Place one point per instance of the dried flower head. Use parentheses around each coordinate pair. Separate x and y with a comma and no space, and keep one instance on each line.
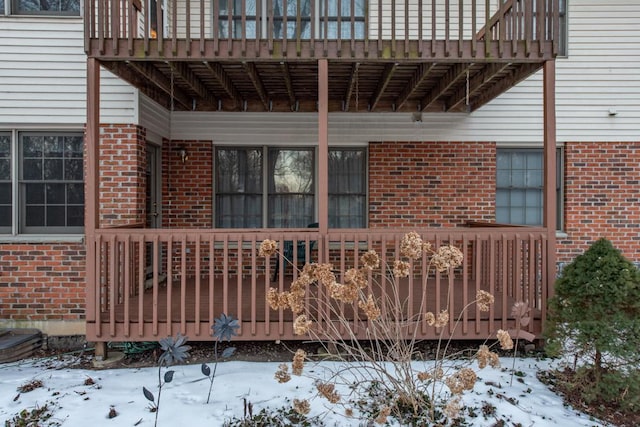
(384,413)
(173,350)
(370,308)
(506,343)
(295,300)
(430,318)
(348,412)
(452,408)
(324,274)
(442,319)
(302,407)
(486,357)
(462,380)
(484,300)
(344,293)
(277,300)
(356,277)
(411,245)
(401,269)
(327,390)
(301,325)
(267,248)
(424,376)
(282,374)
(298,361)
(370,260)
(447,257)
(436,374)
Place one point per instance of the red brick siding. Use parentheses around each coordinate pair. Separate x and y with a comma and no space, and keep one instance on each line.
(602,197)
(122,175)
(187,188)
(42,281)
(431,184)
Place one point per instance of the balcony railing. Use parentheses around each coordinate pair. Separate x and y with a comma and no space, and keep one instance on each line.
(409,29)
(152,283)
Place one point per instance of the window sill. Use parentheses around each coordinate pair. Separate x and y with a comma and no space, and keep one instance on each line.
(42,238)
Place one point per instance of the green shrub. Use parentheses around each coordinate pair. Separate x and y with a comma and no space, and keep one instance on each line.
(595,317)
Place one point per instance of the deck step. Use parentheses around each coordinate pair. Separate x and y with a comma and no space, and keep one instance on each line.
(18,343)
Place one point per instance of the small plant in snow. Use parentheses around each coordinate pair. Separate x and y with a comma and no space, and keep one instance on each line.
(174,351)
(224,328)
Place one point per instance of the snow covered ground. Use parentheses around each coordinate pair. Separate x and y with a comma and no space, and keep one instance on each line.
(79,397)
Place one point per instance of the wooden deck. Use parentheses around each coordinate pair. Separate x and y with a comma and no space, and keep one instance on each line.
(396,55)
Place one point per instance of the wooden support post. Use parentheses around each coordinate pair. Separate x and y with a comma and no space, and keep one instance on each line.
(91,188)
(550,167)
(323,146)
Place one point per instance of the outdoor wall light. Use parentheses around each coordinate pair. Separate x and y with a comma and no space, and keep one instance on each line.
(184,154)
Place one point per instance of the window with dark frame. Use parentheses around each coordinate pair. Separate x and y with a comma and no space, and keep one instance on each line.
(51,183)
(6,190)
(347,188)
(275,187)
(563,31)
(520,186)
(46,7)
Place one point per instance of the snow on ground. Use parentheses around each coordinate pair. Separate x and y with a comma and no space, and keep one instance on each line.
(183,402)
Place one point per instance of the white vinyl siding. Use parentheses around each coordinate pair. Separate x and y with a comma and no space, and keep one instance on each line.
(43,75)
(600,74)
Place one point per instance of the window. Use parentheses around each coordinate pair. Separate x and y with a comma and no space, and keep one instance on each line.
(520,187)
(2,11)
(275,187)
(51,189)
(6,192)
(563,34)
(46,7)
(326,13)
(155,21)
(347,188)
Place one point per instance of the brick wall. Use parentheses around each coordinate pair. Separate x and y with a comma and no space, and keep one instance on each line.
(42,281)
(122,175)
(602,198)
(187,188)
(431,184)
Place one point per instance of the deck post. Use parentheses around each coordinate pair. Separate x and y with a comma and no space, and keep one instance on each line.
(91,221)
(323,146)
(550,203)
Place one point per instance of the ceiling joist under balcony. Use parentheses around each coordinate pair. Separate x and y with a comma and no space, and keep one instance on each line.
(292,85)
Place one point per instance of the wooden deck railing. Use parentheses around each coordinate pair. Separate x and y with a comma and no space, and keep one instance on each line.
(153,283)
(314,28)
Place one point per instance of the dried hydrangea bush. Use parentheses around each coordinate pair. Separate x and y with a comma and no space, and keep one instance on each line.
(382,370)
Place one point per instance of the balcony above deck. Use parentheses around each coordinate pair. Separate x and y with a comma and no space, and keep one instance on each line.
(396,55)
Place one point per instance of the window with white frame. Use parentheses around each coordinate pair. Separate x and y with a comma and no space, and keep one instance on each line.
(46,7)
(276,187)
(329,15)
(50,183)
(520,186)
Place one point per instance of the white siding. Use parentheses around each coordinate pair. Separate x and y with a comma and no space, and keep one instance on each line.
(154,118)
(602,72)
(43,75)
